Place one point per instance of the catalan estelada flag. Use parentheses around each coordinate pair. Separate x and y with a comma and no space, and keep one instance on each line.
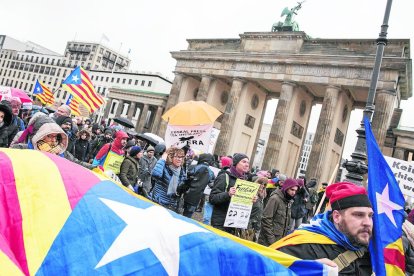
(72,221)
(80,86)
(43,93)
(73,105)
(387,254)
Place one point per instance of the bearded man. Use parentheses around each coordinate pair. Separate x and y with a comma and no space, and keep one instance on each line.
(339,237)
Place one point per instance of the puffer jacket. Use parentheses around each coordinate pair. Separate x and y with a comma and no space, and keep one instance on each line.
(161,174)
(129,171)
(276,218)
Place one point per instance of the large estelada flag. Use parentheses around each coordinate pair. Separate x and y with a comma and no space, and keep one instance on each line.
(72,221)
(387,254)
(43,93)
(80,86)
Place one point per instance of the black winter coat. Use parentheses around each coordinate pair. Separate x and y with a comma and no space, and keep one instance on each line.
(81,149)
(312,251)
(197,182)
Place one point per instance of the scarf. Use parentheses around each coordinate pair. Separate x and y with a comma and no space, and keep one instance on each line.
(172,186)
(321,224)
(43,146)
(234,172)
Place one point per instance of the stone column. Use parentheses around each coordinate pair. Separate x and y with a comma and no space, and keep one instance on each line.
(172,100)
(384,106)
(131,110)
(142,117)
(157,119)
(119,108)
(399,153)
(259,130)
(203,88)
(322,135)
(278,126)
(108,108)
(229,117)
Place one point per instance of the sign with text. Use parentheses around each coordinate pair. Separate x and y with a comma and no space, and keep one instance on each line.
(241,203)
(5,92)
(404,174)
(197,137)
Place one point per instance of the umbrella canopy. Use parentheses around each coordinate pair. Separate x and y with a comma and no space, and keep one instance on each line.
(124,122)
(191,113)
(155,137)
(18,93)
(147,139)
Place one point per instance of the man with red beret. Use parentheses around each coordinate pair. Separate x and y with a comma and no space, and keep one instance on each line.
(277,213)
(341,235)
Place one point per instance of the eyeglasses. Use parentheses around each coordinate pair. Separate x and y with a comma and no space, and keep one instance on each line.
(179,157)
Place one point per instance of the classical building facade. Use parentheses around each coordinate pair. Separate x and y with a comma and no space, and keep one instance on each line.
(239,76)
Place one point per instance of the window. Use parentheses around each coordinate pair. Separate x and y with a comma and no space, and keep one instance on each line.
(91,77)
(123,81)
(53,71)
(58,62)
(102,78)
(47,61)
(101,50)
(149,83)
(118,79)
(112,79)
(37,68)
(14,74)
(26,67)
(42,69)
(47,70)
(31,87)
(28,76)
(142,83)
(34,77)
(112,107)
(58,72)
(99,89)
(31,59)
(31,68)
(130,81)
(107,79)
(98,59)
(41,60)
(37,59)
(136,82)
(53,62)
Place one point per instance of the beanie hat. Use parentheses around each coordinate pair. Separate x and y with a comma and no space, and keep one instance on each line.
(134,151)
(289,183)
(130,143)
(282,177)
(150,148)
(225,161)
(237,157)
(65,108)
(63,120)
(344,195)
(300,182)
(108,131)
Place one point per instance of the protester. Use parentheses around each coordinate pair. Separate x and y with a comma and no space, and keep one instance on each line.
(197,179)
(276,217)
(347,228)
(81,146)
(111,155)
(255,220)
(168,174)
(147,164)
(130,168)
(98,143)
(298,208)
(5,120)
(274,184)
(224,189)
(321,192)
(224,163)
(63,110)
(313,199)
(66,124)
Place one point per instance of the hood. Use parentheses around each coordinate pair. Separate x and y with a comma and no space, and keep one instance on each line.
(206,158)
(118,137)
(8,115)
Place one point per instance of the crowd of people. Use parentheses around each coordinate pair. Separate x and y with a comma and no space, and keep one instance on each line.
(287,214)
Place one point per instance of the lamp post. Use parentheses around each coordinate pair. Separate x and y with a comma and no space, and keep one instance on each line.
(357,167)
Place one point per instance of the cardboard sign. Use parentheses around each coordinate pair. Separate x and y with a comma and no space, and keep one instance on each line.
(404,174)
(197,137)
(241,203)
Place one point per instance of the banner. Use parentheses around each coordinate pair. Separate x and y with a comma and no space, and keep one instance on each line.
(197,137)
(213,139)
(241,203)
(404,174)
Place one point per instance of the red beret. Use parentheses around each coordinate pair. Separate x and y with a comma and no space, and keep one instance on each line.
(344,195)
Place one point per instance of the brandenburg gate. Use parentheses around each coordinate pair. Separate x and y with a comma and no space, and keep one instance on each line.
(239,76)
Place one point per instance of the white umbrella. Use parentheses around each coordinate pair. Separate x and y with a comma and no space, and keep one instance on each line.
(155,137)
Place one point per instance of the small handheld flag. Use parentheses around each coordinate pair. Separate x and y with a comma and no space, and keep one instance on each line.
(387,255)
(73,105)
(43,93)
(80,86)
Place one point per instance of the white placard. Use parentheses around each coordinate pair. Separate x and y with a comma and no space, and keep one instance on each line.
(5,92)
(197,137)
(404,174)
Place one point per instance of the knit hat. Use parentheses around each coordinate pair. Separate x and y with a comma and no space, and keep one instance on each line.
(289,183)
(150,148)
(63,120)
(237,157)
(300,182)
(344,195)
(130,143)
(65,108)
(134,151)
(225,161)
(282,177)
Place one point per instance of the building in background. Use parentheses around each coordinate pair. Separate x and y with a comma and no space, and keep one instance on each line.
(306,150)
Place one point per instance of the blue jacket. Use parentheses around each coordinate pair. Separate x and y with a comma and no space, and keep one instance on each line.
(161,174)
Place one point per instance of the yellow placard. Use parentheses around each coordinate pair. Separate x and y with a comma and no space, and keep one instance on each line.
(113,162)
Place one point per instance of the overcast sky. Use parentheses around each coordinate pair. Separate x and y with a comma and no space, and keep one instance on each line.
(154,28)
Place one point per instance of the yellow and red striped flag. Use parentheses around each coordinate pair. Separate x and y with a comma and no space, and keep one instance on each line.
(73,105)
(80,86)
(43,93)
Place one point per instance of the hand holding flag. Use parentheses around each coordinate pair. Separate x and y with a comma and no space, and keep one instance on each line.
(43,93)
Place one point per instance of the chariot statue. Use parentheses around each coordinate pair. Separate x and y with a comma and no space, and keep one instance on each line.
(289,25)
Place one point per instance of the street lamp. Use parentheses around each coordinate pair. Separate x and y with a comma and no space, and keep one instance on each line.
(357,167)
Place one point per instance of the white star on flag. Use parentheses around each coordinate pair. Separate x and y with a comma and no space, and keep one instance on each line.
(385,205)
(38,89)
(75,78)
(147,228)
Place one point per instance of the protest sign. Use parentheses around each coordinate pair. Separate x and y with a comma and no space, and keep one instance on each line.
(241,203)
(197,137)
(5,92)
(404,174)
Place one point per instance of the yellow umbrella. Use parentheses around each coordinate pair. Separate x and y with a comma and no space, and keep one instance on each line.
(191,113)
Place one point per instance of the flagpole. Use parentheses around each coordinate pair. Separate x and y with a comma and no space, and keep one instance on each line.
(102,109)
(357,167)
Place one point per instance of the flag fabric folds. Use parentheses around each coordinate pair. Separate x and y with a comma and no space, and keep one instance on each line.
(73,221)
(80,86)
(73,105)
(43,93)
(387,255)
